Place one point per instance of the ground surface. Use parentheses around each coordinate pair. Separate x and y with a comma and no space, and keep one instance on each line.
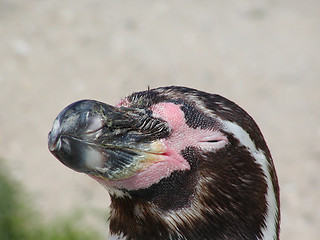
(262,54)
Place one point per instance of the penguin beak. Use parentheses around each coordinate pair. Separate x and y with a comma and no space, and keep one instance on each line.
(107,142)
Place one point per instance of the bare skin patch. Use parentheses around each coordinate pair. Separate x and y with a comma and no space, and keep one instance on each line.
(171,159)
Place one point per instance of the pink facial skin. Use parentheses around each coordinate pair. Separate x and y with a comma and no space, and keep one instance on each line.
(181,137)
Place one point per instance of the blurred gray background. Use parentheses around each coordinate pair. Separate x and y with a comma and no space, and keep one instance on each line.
(263,54)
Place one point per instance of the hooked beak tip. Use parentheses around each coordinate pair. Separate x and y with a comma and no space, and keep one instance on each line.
(53,141)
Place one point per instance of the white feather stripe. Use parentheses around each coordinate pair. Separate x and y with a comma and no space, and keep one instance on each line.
(117,237)
(269,231)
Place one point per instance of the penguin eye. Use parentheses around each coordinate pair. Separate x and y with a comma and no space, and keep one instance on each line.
(213,141)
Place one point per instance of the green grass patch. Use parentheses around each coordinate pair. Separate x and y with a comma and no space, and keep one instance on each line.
(19,220)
